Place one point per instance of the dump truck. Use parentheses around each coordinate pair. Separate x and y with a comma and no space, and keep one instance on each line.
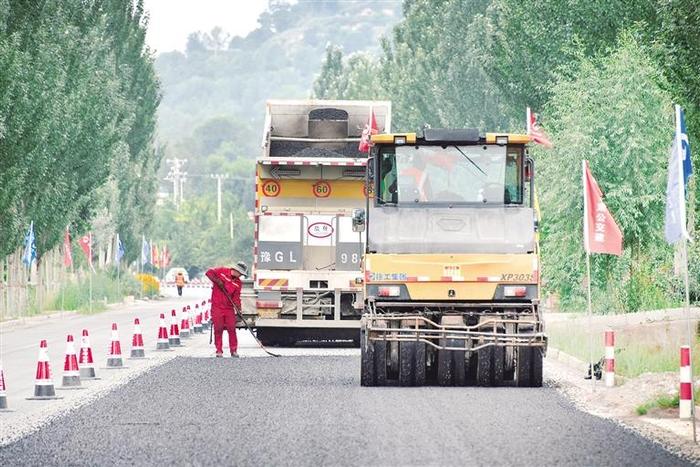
(309,179)
(451,266)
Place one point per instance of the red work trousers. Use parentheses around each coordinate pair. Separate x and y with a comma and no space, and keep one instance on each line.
(225,320)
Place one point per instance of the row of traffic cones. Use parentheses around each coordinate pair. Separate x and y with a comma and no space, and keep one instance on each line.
(81,367)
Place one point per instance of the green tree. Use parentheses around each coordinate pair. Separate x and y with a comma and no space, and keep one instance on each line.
(616,114)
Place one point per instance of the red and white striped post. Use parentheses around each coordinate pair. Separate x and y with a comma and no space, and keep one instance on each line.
(609,358)
(685,407)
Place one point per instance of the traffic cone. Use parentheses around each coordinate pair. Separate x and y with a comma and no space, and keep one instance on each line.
(174,338)
(71,372)
(43,384)
(197,320)
(137,350)
(190,316)
(185,323)
(3,395)
(163,342)
(114,356)
(85,361)
(206,322)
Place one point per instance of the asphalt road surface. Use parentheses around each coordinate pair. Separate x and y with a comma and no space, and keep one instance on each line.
(311,410)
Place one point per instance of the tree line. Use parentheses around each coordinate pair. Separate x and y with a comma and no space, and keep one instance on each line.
(78,100)
(602,75)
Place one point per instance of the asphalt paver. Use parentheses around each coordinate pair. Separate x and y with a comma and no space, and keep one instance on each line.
(311,410)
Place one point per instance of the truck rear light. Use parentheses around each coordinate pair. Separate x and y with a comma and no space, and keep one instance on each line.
(514,291)
(268,304)
(392,291)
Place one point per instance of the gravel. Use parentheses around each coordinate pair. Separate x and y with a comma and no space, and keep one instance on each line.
(311,411)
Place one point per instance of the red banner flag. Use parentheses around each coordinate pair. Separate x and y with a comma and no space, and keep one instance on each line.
(370,129)
(67,254)
(155,259)
(165,257)
(536,134)
(86,245)
(600,231)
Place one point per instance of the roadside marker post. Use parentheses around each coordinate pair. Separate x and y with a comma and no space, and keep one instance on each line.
(685,403)
(609,358)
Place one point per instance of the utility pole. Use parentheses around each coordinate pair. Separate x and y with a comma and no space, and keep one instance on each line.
(175,175)
(183,179)
(230,224)
(218,178)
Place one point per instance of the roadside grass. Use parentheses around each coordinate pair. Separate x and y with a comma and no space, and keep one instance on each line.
(105,289)
(663,401)
(649,348)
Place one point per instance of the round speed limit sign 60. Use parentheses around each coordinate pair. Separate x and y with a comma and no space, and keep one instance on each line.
(322,189)
(271,188)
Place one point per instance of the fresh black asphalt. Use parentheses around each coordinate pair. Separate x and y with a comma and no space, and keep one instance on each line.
(312,411)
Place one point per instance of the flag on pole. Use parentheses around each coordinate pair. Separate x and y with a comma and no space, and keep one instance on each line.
(600,231)
(536,134)
(679,170)
(86,245)
(155,256)
(165,257)
(119,250)
(67,253)
(145,251)
(369,130)
(29,254)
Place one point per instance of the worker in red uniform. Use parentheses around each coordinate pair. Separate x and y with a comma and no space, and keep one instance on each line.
(222,313)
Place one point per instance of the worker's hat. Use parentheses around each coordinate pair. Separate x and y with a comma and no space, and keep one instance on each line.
(241,267)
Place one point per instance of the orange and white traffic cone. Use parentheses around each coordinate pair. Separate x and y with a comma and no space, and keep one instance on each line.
(205,316)
(114,356)
(137,350)
(43,384)
(85,361)
(197,320)
(174,338)
(185,323)
(163,342)
(71,372)
(3,395)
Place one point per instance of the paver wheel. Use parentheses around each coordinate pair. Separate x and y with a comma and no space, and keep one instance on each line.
(529,367)
(523,367)
(380,369)
(536,375)
(444,368)
(407,362)
(459,364)
(483,366)
(367,377)
(490,366)
(420,370)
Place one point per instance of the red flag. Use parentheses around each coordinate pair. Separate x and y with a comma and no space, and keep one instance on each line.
(154,255)
(370,129)
(536,134)
(86,245)
(165,257)
(67,254)
(600,232)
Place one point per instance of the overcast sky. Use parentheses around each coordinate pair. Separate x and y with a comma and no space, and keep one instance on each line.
(171,21)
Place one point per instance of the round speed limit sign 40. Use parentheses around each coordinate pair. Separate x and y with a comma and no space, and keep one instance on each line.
(271,188)
(321,189)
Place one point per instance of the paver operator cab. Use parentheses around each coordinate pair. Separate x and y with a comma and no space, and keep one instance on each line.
(451,265)
(309,179)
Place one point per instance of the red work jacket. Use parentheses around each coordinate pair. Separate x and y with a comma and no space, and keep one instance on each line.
(219,302)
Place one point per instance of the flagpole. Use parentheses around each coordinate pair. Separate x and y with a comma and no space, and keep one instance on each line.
(590,321)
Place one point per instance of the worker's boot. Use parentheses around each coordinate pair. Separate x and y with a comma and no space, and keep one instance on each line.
(234,354)
(219,354)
